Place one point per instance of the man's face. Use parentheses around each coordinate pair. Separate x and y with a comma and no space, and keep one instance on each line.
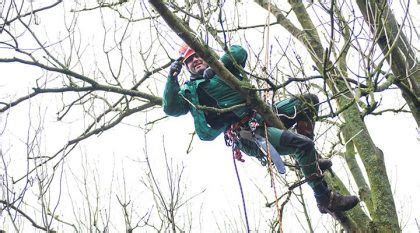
(196,65)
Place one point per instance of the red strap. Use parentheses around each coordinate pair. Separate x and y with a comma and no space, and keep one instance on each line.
(241,122)
(238,154)
(229,133)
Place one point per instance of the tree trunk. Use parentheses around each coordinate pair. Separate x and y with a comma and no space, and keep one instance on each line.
(356,171)
(397,50)
(354,220)
(384,215)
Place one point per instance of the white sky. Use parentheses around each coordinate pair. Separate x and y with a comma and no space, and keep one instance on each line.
(209,166)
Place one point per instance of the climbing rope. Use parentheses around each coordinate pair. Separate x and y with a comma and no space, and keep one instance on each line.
(242,192)
(232,140)
(273,184)
(265,97)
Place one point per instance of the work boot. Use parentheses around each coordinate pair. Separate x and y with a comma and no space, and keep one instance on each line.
(324,164)
(332,202)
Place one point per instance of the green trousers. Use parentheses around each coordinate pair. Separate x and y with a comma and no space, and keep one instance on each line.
(300,147)
(292,111)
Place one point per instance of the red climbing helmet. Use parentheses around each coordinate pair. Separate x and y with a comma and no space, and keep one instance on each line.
(185,52)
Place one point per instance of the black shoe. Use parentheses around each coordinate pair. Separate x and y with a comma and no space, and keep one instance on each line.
(333,202)
(324,164)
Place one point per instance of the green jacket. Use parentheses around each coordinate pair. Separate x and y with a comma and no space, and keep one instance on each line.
(174,96)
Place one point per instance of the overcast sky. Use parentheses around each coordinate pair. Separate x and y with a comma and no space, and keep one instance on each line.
(118,155)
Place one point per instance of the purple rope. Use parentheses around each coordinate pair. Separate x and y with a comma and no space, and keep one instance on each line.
(242,192)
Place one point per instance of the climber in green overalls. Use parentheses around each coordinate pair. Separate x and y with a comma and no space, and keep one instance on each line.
(206,88)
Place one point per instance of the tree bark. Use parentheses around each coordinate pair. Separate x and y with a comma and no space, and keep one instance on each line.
(384,214)
(354,220)
(356,171)
(397,50)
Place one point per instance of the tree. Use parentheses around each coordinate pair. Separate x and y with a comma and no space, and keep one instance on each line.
(102,69)
(397,49)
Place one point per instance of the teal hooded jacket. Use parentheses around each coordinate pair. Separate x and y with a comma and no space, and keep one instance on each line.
(179,100)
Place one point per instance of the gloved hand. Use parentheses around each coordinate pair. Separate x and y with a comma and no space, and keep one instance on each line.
(208,73)
(175,68)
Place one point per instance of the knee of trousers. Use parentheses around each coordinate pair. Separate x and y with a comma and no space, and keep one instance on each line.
(312,98)
(310,104)
(297,141)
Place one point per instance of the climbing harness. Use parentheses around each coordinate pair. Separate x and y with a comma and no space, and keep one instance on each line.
(232,138)
(246,130)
